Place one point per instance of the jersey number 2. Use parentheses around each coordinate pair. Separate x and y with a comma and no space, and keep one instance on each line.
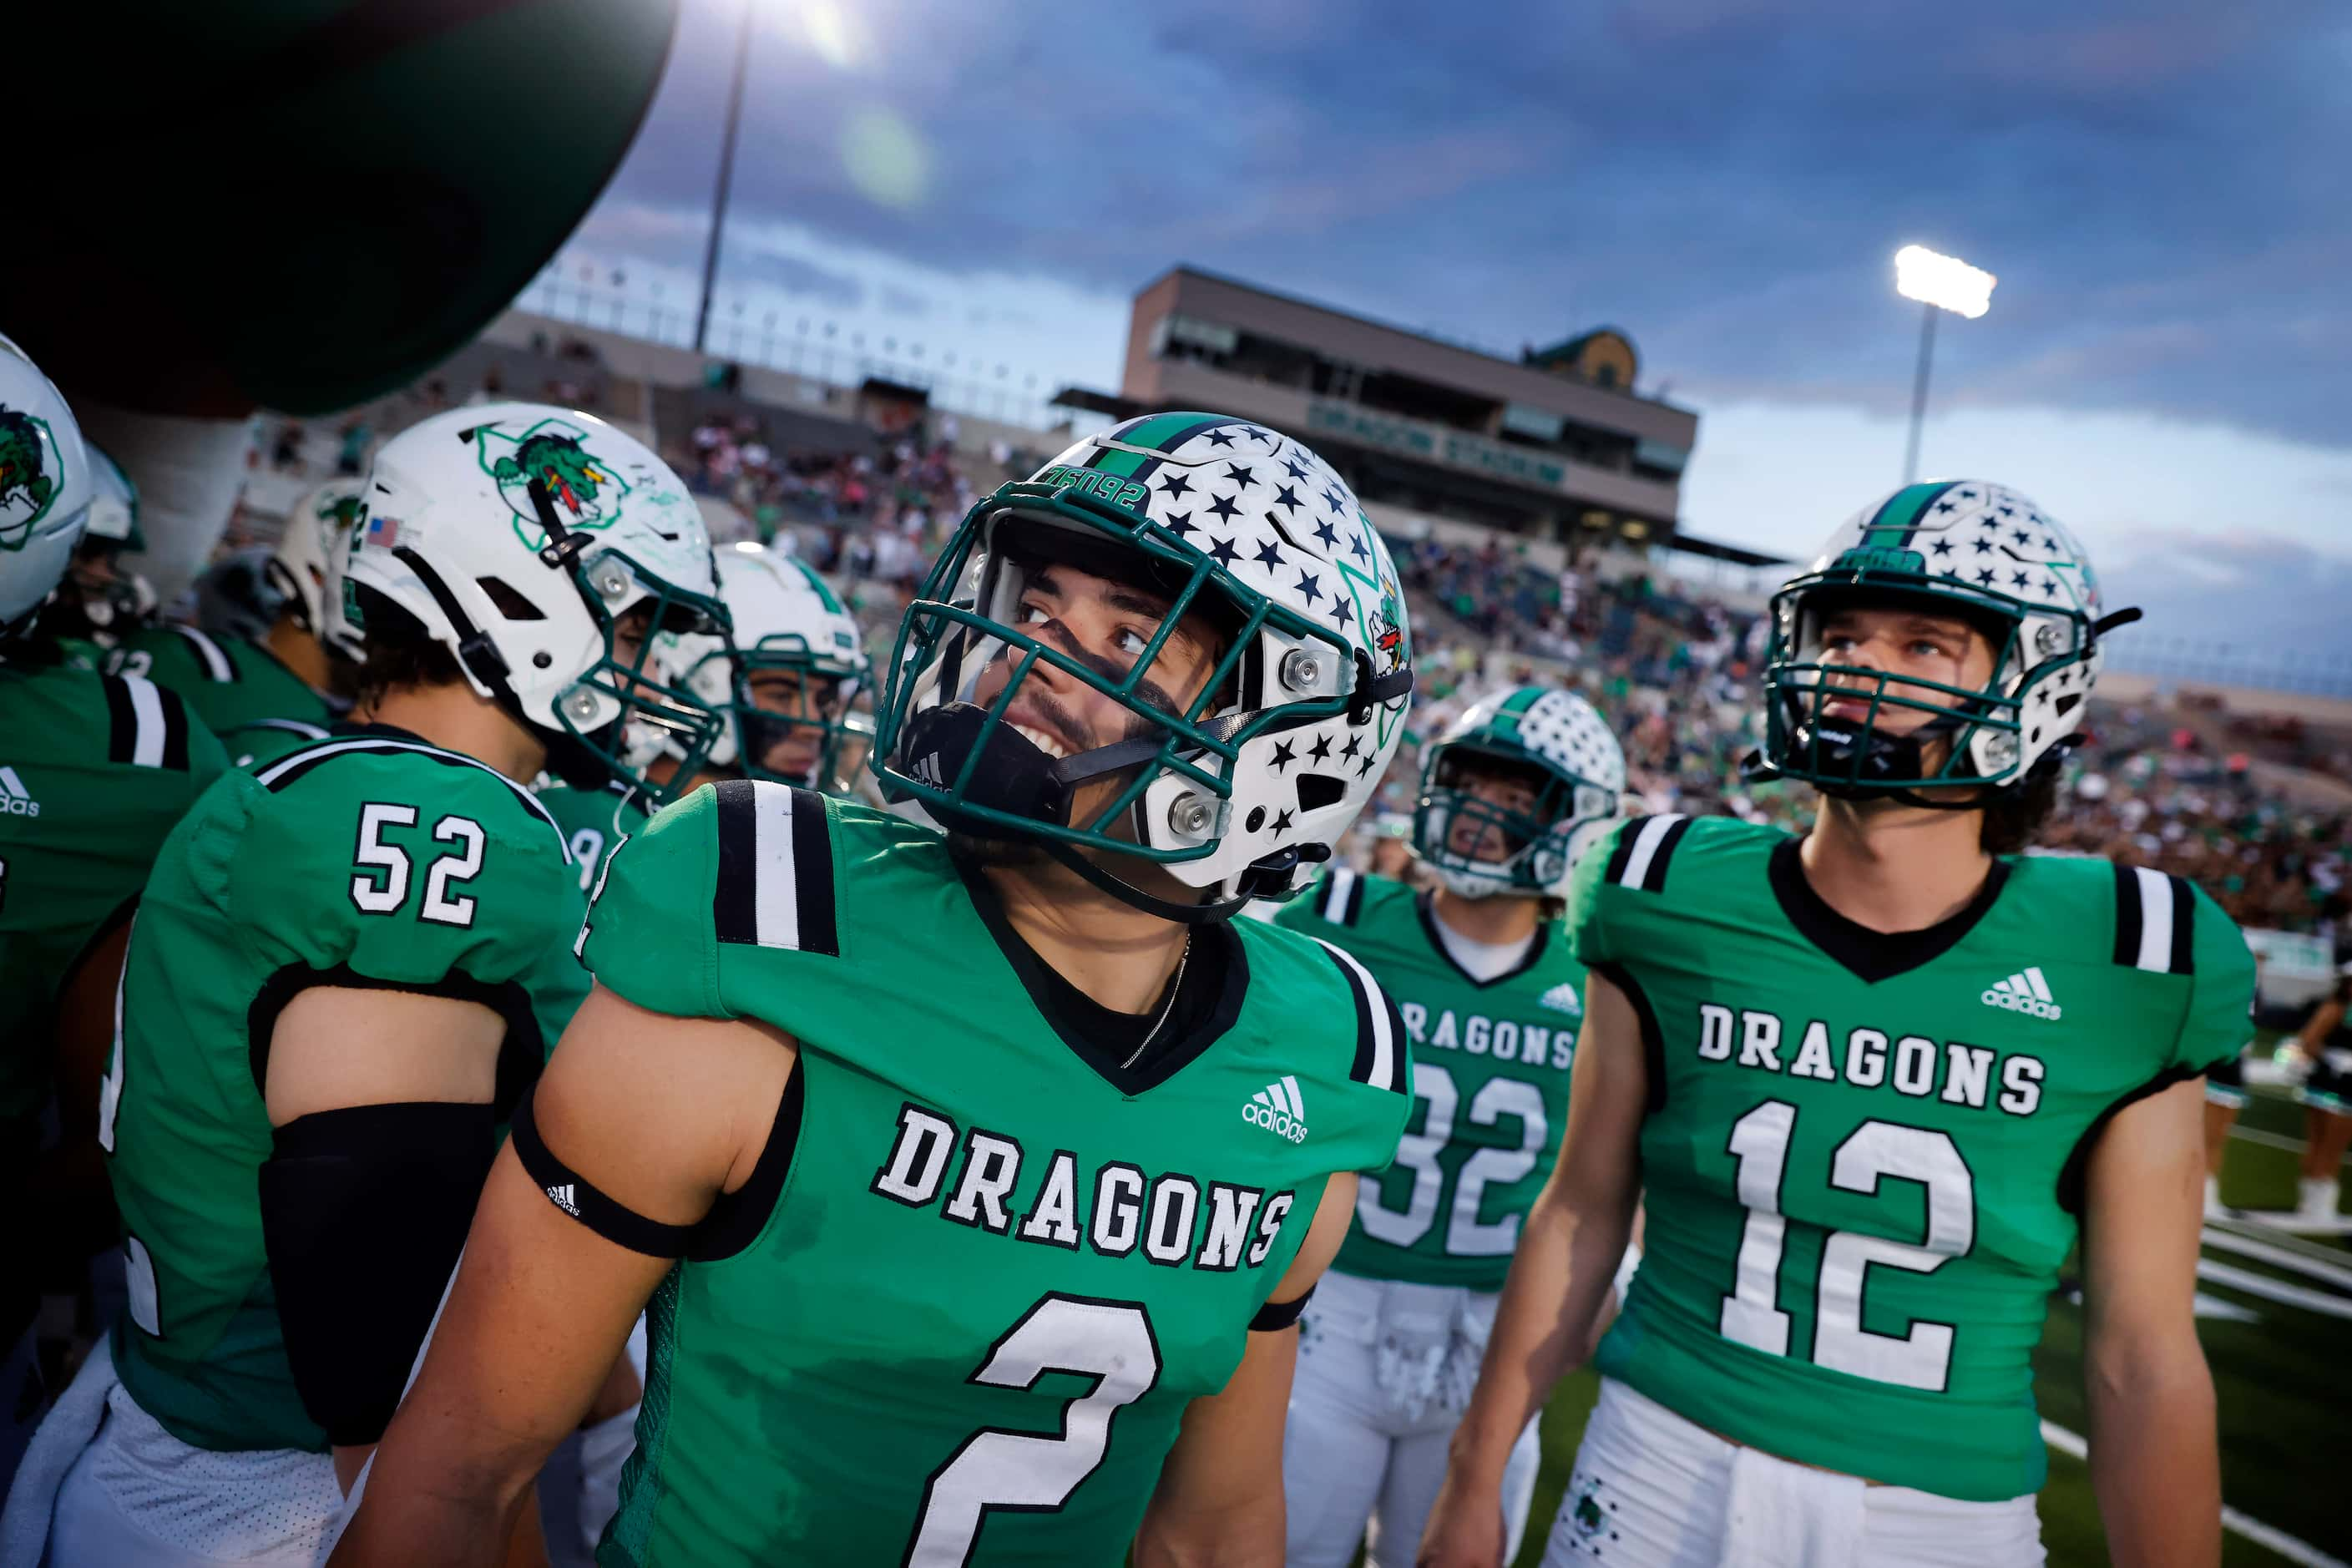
(1022,1472)
(1919,1358)
(381,887)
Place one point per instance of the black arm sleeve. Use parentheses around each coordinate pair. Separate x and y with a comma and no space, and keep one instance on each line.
(363,1213)
(1282,1314)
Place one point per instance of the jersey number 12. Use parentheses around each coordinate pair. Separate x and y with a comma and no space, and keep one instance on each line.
(1920,1358)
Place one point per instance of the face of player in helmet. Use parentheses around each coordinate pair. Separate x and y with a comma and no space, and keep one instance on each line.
(795,750)
(1476,835)
(1104,625)
(1900,641)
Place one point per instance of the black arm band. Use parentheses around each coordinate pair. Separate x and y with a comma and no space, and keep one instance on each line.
(1281,1314)
(614,1221)
(363,1213)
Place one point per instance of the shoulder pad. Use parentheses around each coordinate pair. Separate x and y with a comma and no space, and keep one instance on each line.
(1644,849)
(292,768)
(211,659)
(774,886)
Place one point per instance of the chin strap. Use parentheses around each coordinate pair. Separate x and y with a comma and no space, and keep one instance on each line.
(1136,898)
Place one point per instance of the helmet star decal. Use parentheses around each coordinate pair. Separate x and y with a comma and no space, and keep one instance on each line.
(587,492)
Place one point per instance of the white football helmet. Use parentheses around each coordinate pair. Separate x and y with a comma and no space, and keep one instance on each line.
(525,538)
(1247,790)
(317,525)
(783,617)
(45,489)
(1569,755)
(1961,547)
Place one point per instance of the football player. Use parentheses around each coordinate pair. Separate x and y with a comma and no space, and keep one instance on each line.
(942,1158)
(265,696)
(784,675)
(94,771)
(2326,1095)
(1872,1085)
(103,601)
(1511,793)
(347,966)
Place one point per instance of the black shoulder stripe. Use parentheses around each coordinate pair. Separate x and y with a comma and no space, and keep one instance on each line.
(217,665)
(1645,847)
(1341,900)
(146,725)
(774,883)
(1379,1030)
(2156,918)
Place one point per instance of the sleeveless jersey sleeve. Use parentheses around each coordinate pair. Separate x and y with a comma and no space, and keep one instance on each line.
(403,871)
(650,936)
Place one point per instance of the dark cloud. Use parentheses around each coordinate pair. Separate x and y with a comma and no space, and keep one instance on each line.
(2159,183)
(2244,589)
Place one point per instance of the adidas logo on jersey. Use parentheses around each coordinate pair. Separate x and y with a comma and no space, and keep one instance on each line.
(2024,993)
(928,771)
(15,799)
(1278,1109)
(562,1198)
(1562,998)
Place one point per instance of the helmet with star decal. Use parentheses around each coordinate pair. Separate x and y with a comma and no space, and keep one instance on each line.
(1963,548)
(1252,569)
(1574,770)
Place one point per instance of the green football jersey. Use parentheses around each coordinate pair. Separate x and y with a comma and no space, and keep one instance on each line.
(229,683)
(595,822)
(1863,1154)
(370,859)
(1490,1071)
(258,742)
(95,770)
(966,1327)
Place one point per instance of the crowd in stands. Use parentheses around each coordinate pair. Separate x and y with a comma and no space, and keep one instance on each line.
(1676,673)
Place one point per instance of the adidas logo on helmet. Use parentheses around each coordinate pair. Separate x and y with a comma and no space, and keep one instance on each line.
(2025,992)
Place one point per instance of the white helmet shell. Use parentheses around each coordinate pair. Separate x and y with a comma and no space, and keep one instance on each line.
(450,532)
(46,488)
(779,611)
(318,527)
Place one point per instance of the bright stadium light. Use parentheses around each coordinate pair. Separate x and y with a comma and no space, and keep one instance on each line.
(1944,281)
(1939,283)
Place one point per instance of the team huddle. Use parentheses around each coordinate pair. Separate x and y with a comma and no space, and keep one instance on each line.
(956,1108)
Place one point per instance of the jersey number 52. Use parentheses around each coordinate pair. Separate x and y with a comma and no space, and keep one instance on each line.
(380,885)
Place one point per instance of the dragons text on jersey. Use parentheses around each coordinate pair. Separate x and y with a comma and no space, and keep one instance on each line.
(983,1275)
(1859,1178)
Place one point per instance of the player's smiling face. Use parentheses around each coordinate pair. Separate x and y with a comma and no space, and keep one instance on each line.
(1906,644)
(1104,625)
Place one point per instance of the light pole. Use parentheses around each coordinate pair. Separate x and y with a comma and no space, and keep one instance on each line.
(1938,283)
(726,176)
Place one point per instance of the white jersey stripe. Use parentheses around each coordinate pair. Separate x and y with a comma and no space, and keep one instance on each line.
(1335,896)
(777,919)
(1645,847)
(210,654)
(2155,917)
(147,707)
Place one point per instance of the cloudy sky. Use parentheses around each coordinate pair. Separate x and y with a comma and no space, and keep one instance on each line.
(2164,187)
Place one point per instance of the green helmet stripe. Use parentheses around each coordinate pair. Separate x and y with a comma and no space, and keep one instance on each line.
(1520,701)
(1890,527)
(1110,461)
(825,595)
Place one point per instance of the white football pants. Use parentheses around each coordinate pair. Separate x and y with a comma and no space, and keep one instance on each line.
(1654,1491)
(1385,1370)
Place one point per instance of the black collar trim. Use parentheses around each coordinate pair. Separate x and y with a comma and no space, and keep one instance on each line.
(1872,956)
(1223,965)
(1425,906)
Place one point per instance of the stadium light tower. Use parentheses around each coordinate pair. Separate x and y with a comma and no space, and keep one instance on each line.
(1938,283)
(726,176)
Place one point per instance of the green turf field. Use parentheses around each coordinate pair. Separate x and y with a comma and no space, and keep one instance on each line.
(2282,1378)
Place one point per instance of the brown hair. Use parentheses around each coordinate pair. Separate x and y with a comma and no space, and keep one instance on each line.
(2016,819)
(400,657)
